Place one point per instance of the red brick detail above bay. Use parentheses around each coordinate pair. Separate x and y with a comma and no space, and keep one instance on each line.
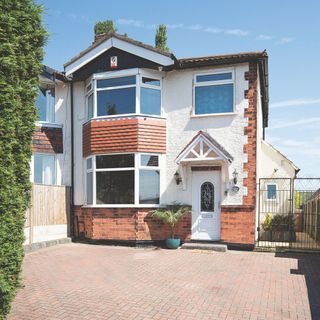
(124,135)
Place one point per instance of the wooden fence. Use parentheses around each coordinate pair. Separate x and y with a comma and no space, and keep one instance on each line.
(48,214)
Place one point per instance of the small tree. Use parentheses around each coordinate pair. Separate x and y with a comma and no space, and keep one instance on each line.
(171,215)
(104,27)
(22,37)
(161,38)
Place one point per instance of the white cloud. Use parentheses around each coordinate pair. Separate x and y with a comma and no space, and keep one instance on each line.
(237,32)
(285,40)
(286,124)
(175,26)
(195,27)
(213,30)
(131,22)
(295,102)
(264,37)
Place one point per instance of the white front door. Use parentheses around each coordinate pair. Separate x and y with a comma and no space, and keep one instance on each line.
(206,191)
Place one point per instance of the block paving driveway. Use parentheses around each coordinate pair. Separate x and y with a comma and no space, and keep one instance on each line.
(79,281)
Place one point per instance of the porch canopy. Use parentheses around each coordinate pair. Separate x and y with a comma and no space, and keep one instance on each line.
(203,150)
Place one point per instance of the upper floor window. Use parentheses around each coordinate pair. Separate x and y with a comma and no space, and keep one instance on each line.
(45,104)
(123,95)
(44,168)
(214,93)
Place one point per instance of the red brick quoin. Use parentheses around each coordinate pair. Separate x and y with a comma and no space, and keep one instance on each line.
(238,222)
(47,140)
(130,224)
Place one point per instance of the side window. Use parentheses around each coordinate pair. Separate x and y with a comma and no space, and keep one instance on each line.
(214,93)
(45,104)
(44,168)
(271,192)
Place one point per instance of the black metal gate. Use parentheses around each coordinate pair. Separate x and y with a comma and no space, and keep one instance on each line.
(289,213)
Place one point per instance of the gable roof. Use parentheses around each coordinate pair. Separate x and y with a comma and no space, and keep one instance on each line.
(271,147)
(211,142)
(107,41)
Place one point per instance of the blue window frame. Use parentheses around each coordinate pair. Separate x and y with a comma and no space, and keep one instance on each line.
(271,192)
(214,93)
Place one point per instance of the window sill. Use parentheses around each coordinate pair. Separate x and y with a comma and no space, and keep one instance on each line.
(124,206)
(121,116)
(213,115)
(48,124)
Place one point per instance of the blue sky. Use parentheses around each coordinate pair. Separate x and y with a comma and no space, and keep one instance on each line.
(289,30)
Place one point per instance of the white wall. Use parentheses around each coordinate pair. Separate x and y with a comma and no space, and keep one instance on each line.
(79,119)
(177,94)
(274,164)
(63,117)
(228,130)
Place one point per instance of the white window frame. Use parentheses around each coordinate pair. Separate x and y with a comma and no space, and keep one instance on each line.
(213,83)
(273,199)
(136,169)
(139,73)
(55,168)
(50,108)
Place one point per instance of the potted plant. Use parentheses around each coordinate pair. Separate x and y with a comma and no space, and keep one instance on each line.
(171,215)
(265,233)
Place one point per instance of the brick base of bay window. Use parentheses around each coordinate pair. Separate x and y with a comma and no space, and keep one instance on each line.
(125,224)
(138,225)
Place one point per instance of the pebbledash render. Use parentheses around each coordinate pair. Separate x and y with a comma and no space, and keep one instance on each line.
(143,129)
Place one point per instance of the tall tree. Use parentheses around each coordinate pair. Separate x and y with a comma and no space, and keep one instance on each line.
(161,38)
(102,27)
(22,38)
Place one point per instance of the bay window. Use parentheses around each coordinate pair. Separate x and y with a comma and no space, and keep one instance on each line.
(123,179)
(214,93)
(110,95)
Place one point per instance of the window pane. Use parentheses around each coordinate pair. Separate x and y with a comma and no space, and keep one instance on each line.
(150,101)
(149,161)
(89,187)
(149,186)
(50,105)
(116,82)
(89,163)
(152,82)
(115,161)
(214,99)
(115,187)
(90,106)
(214,77)
(44,169)
(272,191)
(207,197)
(118,101)
(41,104)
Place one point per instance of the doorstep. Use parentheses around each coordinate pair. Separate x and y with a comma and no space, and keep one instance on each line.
(205,246)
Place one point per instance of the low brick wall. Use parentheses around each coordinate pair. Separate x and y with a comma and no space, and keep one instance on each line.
(237,224)
(125,224)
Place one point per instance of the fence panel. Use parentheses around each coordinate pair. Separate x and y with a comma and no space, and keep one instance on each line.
(48,216)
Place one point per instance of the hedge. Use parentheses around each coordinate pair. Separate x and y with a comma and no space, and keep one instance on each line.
(22,38)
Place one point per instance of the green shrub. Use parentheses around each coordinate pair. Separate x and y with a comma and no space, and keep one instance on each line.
(22,38)
(171,215)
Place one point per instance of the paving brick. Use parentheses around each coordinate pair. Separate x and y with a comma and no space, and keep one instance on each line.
(78,281)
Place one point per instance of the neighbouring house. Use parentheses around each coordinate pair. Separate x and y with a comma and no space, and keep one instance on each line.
(133,128)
